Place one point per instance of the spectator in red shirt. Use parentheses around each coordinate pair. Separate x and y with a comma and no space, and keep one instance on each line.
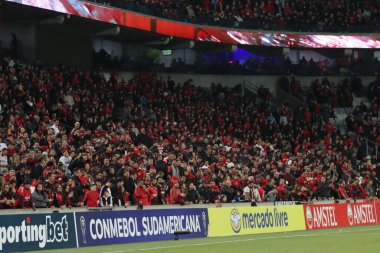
(141,194)
(153,193)
(177,197)
(342,191)
(49,168)
(59,195)
(91,199)
(24,196)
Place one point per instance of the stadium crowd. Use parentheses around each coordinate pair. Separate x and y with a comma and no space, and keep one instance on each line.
(364,121)
(294,15)
(72,139)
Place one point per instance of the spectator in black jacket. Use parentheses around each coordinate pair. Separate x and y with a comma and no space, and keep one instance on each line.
(207,194)
(161,166)
(192,195)
(129,185)
(227,190)
(7,201)
(143,138)
(324,189)
(76,193)
(24,174)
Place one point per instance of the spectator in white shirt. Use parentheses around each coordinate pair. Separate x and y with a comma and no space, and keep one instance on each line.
(251,193)
(4,161)
(65,160)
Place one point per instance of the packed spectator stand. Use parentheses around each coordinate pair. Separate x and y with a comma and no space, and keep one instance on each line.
(360,103)
(291,15)
(71,138)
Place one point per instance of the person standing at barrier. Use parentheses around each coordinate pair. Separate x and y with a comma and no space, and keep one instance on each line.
(121,197)
(59,195)
(141,194)
(106,199)
(24,196)
(110,186)
(153,192)
(91,199)
(39,197)
(129,185)
(251,192)
(7,201)
(176,195)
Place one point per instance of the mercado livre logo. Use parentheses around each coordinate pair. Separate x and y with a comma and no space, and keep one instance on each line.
(235,220)
(258,219)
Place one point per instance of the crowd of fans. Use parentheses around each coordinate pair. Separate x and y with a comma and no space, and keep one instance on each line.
(72,139)
(294,15)
(324,95)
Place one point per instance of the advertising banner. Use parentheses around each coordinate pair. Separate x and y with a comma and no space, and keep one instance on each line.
(340,215)
(27,232)
(115,227)
(255,220)
(377,207)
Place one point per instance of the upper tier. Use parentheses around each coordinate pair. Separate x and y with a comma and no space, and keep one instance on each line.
(234,35)
(276,15)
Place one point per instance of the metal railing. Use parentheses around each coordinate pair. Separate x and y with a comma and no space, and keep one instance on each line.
(247,85)
(370,144)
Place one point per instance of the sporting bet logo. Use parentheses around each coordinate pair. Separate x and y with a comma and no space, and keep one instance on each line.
(42,234)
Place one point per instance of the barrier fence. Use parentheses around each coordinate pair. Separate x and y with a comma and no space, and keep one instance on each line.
(27,232)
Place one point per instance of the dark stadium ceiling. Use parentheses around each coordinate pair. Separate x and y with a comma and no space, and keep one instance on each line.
(21,14)
(25,15)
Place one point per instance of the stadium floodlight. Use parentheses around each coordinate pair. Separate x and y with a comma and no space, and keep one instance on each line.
(159,42)
(55,20)
(223,49)
(183,45)
(109,32)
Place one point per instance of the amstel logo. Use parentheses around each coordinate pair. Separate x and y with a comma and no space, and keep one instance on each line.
(309,217)
(350,215)
(235,220)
